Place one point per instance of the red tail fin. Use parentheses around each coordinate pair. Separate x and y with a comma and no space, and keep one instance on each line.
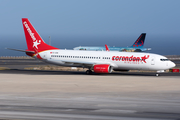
(33,39)
(107,49)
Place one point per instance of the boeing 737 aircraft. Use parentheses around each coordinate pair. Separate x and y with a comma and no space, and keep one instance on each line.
(98,61)
(136,47)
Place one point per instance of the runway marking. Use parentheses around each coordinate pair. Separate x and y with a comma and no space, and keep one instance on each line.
(115,111)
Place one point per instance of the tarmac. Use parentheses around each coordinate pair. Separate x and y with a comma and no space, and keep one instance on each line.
(73,95)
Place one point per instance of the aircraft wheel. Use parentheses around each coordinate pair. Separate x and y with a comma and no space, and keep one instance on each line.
(157,74)
(88,72)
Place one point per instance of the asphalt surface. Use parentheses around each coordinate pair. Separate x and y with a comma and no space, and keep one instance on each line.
(73,95)
(20,63)
(88,108)
(93,97)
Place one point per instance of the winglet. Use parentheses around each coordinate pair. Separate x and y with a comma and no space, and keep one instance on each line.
(107,49)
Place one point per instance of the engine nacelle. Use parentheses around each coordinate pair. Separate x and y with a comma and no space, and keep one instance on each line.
(102,68)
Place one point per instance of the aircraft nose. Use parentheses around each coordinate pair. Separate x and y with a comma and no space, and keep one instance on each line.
(172,64)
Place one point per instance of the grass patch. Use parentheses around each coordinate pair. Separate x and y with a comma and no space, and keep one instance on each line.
(4,68)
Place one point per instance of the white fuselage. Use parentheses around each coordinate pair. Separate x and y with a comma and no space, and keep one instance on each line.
(118,60)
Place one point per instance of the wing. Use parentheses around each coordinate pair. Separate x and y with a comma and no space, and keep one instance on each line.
(86,64)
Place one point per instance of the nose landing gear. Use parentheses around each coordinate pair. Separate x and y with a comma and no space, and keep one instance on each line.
(157,74)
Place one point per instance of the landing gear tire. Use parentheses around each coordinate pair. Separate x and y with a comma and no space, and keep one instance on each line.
(89,72)
(157,74)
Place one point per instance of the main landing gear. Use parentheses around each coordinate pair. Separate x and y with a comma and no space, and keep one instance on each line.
(89,72)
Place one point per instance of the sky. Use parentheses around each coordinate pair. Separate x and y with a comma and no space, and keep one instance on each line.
(72,23)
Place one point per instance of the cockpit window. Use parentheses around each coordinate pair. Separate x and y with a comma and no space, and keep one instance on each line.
(164,59)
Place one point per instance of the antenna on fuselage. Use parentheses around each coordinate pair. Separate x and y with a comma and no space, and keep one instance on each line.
(49,40)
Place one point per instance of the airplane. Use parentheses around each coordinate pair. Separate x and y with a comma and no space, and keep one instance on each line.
(136,47)
(97,61)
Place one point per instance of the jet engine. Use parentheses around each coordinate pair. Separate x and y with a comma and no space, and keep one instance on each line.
(102,68)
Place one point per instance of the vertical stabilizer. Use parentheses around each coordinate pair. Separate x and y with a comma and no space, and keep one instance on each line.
(107,49)
(33,39)
(140,41)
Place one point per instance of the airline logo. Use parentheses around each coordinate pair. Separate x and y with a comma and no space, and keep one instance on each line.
(35,42)
(138,42)
(131,59)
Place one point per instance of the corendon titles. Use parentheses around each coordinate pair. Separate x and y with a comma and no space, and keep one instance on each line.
(29,30)
(131,59)
(35,42)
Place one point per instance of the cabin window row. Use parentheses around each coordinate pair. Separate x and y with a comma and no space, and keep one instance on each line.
(65,56)
(87,57)
(106,58)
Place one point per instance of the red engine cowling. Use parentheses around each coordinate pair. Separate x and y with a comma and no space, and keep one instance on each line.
(102,68)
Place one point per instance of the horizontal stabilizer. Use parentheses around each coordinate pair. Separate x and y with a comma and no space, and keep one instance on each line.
(21,50)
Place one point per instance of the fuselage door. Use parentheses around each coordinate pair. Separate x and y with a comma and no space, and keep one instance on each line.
(153,61)
(166,63)
(44,55)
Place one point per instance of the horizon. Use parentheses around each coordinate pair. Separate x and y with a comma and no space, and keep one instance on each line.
(93,23)
(62,42)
